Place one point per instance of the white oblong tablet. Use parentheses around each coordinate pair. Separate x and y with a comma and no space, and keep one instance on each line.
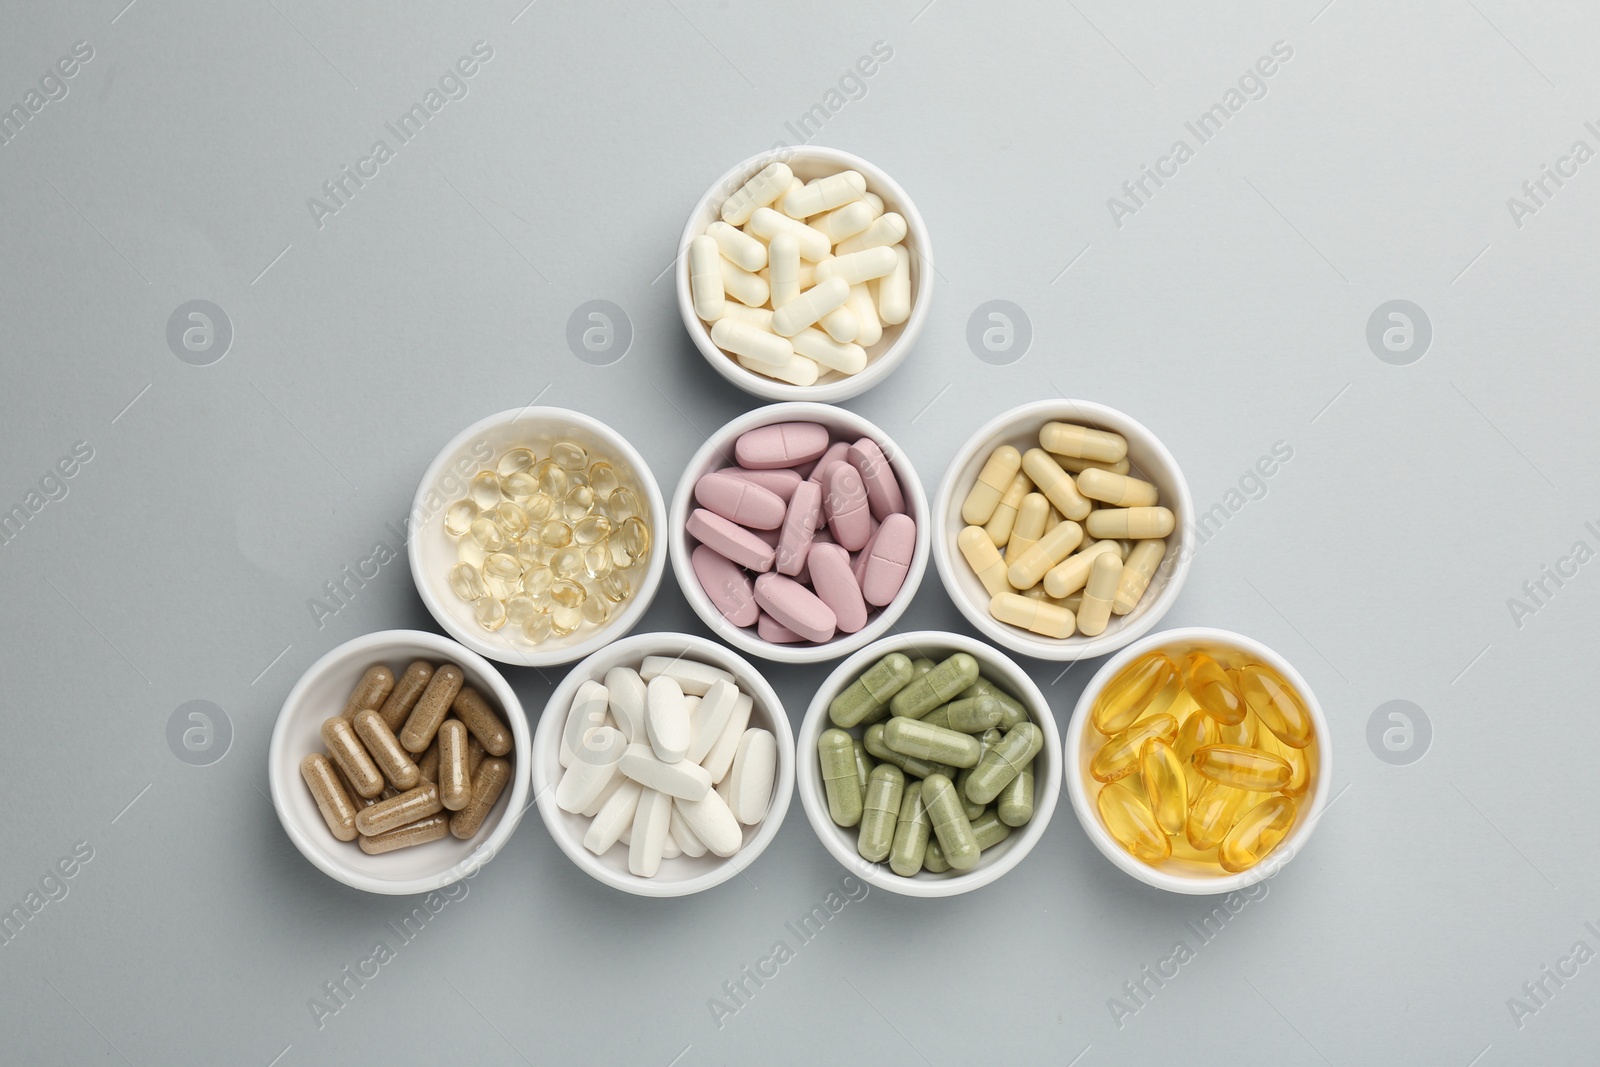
(685,836)
(693,678)
(587,714)
(614,818)
(713,823)
(720,756)
(625,692)
(710,717)
(750,779)
(682,779)
(649,838)
(593,766)
(666,718)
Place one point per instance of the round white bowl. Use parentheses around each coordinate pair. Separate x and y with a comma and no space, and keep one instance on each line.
(319,695)
(1019,427)
(809,162)
(433,551)
(683,875)
(1182,876)
(996,861)
(717,453)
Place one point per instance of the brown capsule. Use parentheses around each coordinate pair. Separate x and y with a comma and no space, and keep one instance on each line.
(455,786)
(350,790)
(403,697)
(479,717)
(418,833)
(475,754)
(346,750)
(428,765)
(398,810)
(487,785)
(431,708)
(384,748)
(338,810)
(370,690)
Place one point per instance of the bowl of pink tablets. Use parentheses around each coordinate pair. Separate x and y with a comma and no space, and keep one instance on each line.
(799,532)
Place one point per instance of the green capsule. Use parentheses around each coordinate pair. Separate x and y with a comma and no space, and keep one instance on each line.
(864,762)
(913,737)
(1004,762)
(949,822)
(1016,799)
(836,754)
(970,715)
(914,766)
(881,810)
(871,691)
(1012,711)
(921,665)
(938,686)
(911,831)
(878,714)
(990,738)
(988,831)
(933,860)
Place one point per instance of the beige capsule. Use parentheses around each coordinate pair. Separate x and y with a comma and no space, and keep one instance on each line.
(350,791)
(1078,466)
(1050,550)
(403,697)
(487,785)
(1136,523)
(1005,513)
(475,755)
(420,832)
(474,711)
(1055,483)
(455,785)
(395,812)
(1030,524)
(984,559)
(984,496)
(1039,616)
(428,765)
(1095,611)
(1082,442)
(370,691)
(385,749)
(1070,575)
(1118,490)
(338,810)
(431,708)
(1137,571)
(346,750)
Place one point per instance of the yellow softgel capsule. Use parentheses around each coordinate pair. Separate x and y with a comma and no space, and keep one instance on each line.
(1242,768)
(1278,706)
(1298,759)
(1036,616)
(1256,833)
(485,490)
(1195,732)
(1119,756)
(1129,820)
(1056,484)
(1164,785)
(984,496)
(1147,685)
(1212,689)
(1215,809)
(984,559)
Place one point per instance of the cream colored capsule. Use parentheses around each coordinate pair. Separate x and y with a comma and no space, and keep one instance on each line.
(1039,616)
(1131,522)
(370,691)
(984,559)
(984,496)
(1029,527)
(749,289)
(455,784)
(760,318)
(884,230)
(840,323)
(783,270)
(844,222)
(338,810)
(824,194)
(874,201)
(1051,549)
(1081,442)
(749,343)
(737,246)
(705,277)
(810,306)
(767,224)
(798,371)
(1078,466)
(1068,576)
(1055,483)
(767,185)
(395,812)
(385,749)
(807,276)
(777,205)
(420,832)
(345,749)
(1118,490)
(812,343)
(1095,611)
(858,267)
(894,289)
(1005,513)
(869,329)
(1137,571)
(487,785)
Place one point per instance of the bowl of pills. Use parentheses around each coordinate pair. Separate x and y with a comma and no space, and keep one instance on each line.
(534,536)
(803,275)
(799,532)
(928,764)
(1198,761)
(398,762)
(663,764)
(1063,530)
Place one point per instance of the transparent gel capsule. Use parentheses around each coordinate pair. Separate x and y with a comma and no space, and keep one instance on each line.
(580,499)
(555,533)
(502,574)
(471,553)
(490,612)
(552,479)
(618,551)
(615,587)
(536,628)
(635,536)
(459,516)
(569,456)
(567,593)
(597,560)
(487,533)
(575,479)
(603,478)
(567,563)
(519,487)
(512,520)
(485,490)
(537,582)
(597,610)
(622,504)
(466,582)
(564,621)
(520,608)
(591,530)
(518,459)
(539,507)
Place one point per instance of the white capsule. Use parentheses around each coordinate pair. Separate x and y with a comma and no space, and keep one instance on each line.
(713,823)
(649,838)
(705,278)
(614,818)
(591,770)
(874,201)
(695,679)
(738,246)
(720,758)
(777,205)
(848,358)
(666,719)
(749,289)
(760,318)
(887,229)
(625,696)
(767,224)
(767,350)
(766,186)
(680,779)
(824,194)
(684,835)
(749,783)
(784,269)
(894,290)
(858,267)
(844,222)
(710,717)
(798,371)
(868,329)
(840,324)
(587,714)
(810,306)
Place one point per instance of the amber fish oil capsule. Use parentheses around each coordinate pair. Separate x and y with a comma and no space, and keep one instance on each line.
(1256,833)
(338,810)
(1149,684)
(1277,705)
(1243,768)
(1128,819)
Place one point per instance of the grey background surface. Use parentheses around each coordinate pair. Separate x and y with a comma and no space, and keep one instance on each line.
(1228,312)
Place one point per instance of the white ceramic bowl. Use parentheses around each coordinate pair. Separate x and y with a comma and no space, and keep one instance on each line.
(1019,427)
(433,551)
(808,162)
(683,875)
(996,861)
(320,694)
(717,453)
(1177,875)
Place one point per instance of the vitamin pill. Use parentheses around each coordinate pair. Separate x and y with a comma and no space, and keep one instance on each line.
(370,691)
(681,779)
(732,541)
(795,606)
(649,839)
(993,480)
(693,677)
(345,749)
(1078,466)
(1118,490)
(590,706)
(1029,526)
(970,715)
(667,719)
(894,289)
(1072,573)
(713,822)
(1056,484)
(988,830)
(865,265)
(1212,689)
(1242,768)
(780,444)
(923,693)
(797,371)
(799,528)
(869,328)
(1148,685)
(877,475)
(1130,522)
(880,811)
(949,822)
(720,757)
(1030,565)
(835,585)
(781,482)
(428,765)
(431,707)
(1164,784)
(737,247)
(845,504)
(476,714)
(625,700)
(432,828)
(837,452)
(824,194)
(913,737)
(1005,512)
(749,289)
(487,784)
(864,762)
(888,229)
(933,860)
(1137,571)
(846,358)
(1278,706)
(836,754)
(1256,834)
(914,766)
(1083,442)
(710,717)
(911,829)
(1004,761)
(873,690)
(1128,819)
(766,224)
(773,631)
(407,689)
(766,186)
(1011,709)
(752,345)
(1119,756)
(844,222)
(338,810)
(749,782)
(455,783)
(888,560)
(384,748)
(613,818)
(1015,803)
(984,559)
(592,770)
(687,840)
(810,306)
(1215,809)
(399,810)
(1038,616)
(705,278)
(1098,594)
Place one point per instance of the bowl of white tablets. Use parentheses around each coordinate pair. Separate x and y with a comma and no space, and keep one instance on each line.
(803,274)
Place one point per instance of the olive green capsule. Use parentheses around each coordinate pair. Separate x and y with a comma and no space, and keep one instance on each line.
(878,714)
(928,691)
(969,715)
(864,762)
(990,738)
(911,831)
(881,810)
(933,860)
(836,754)
(915,767)
(1004,761)
(913,737)
(988,831)
(950,822)
(921,665)
(1012,711)
(1016,799)
(871,691)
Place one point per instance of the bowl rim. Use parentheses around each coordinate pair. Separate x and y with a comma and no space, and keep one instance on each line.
(620,625)
(1047,787)
(719,444)
(553,719)
(375,644)
(950,564)
(1195,885)
(916,241)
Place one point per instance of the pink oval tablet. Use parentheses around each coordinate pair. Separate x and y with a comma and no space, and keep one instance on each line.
(859,566)
(849,518)
(799,527)
(835,454)
(836,586)
(726,583)
(883,489)
(770,629)
(778,482)
(730,540)
(796,607)
(889,560)
(740,501)
(782,444)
